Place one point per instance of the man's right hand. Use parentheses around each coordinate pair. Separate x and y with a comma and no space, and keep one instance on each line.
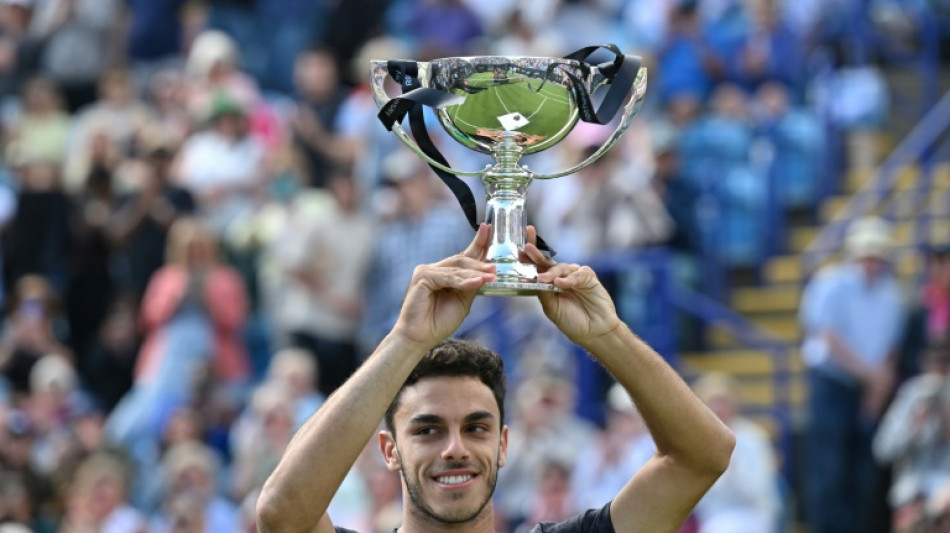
(440,295)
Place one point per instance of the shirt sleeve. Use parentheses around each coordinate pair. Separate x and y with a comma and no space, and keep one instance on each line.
(590,521)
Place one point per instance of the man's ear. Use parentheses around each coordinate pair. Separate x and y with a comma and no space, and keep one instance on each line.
(503,447)
(387,446)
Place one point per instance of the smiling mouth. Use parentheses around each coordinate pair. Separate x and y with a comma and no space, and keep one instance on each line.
(454,480)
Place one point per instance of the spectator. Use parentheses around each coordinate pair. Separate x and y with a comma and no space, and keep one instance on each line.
(385,491)
(27,493)
(745,499)
(444,28)
(319,97)
(622,448)
(293,25)
(235,18)
(716,153)
(929,318)
(518,38)
(108,369)
(76,45)
(768,51)
(915,437)
(938,510)
(192,313)
(353,24)
(185,425)
(544,408)
(320,304)
(423,228)
(28,333)
(296,372)
(55,399)
(614,209)
(551,501)
(855,102)
(799,145)
(851,315)
(686,60)
(222,166)
(678,194)
(260,436)
(647,22)
(248,512)
(42,130)
(39,238)
(192,503)
(167,94)
(97,501)
(357,121)
(213,68)
(107,131)
(19,50)
(139,228)
(155,34)
(91,283)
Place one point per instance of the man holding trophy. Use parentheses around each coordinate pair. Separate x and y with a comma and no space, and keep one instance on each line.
(443,399)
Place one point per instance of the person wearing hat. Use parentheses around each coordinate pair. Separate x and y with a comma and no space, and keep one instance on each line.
(852,316)
(223,166)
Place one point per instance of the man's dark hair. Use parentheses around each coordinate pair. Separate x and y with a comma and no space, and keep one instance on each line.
(457,358)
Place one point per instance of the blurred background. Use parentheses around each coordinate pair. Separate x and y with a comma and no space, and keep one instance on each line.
(205,229)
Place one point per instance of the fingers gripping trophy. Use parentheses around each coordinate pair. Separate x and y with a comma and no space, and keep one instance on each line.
(507,107)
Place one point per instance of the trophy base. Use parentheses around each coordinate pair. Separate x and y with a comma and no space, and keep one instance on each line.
(516,288)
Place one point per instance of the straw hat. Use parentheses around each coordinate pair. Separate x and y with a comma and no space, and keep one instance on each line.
(869,237)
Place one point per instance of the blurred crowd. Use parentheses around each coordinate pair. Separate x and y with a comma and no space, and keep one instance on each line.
(205,229)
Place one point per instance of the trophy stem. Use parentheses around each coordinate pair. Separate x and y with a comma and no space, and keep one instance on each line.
(506,185)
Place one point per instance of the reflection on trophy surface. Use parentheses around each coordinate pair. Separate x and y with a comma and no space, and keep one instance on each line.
(506,107)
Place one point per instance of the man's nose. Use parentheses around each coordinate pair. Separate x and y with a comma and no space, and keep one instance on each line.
(455,448)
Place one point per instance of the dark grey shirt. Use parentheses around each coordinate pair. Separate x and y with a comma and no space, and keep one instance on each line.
(590,521)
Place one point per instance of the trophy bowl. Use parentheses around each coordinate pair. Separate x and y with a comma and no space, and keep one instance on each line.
(506,107)
(530,97)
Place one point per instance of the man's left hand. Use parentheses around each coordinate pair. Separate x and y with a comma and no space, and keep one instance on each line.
(582,310)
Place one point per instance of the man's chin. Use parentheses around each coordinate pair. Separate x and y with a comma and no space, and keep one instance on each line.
(458,506)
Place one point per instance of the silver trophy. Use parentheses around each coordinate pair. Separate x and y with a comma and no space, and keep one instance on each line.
(506,107)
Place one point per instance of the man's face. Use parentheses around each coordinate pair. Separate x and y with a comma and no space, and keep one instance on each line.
(873,267)
(449,446)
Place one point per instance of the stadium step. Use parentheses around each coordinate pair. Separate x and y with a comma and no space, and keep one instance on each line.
(767,299)
(739,362)
(801,237)
(783,269)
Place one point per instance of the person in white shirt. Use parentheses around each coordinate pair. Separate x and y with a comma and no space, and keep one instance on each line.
(745,499)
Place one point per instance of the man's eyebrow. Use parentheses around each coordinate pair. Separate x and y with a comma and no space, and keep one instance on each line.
(426,419)
(478,416)
(436,419)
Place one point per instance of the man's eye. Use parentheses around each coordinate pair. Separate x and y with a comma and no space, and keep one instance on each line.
(478,428)
(426,431)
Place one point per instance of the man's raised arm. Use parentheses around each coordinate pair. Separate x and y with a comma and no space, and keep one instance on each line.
(693,446)
(296,495)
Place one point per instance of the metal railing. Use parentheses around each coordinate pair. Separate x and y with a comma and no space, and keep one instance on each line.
(913,149)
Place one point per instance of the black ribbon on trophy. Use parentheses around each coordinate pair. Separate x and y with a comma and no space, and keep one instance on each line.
(620,72)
